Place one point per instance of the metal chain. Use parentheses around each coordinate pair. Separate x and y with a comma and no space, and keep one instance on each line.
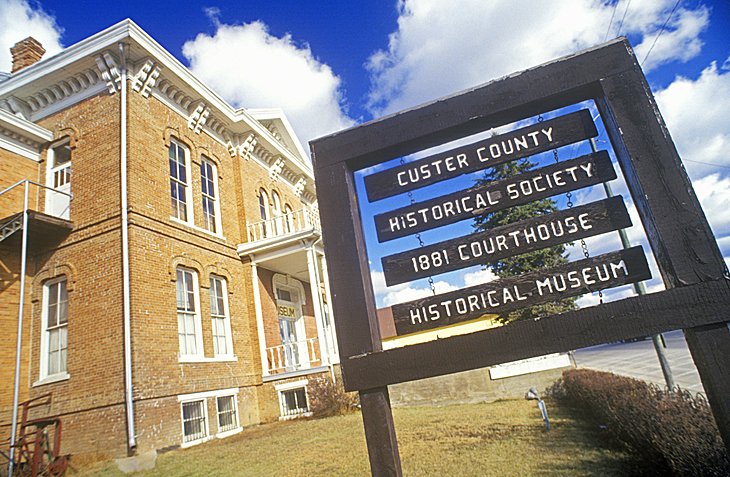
(569,197)
(418,236)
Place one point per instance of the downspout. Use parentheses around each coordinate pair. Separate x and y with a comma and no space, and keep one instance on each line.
(19,344)
(129,403)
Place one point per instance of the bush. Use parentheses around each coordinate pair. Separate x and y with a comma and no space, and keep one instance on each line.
(330,399)
(670,432)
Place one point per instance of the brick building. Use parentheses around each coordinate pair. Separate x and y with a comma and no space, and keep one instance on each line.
(175,285)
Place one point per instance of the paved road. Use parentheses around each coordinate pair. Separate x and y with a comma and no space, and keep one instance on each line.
(639,360)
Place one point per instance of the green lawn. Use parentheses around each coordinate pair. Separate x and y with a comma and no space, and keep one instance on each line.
(501,439)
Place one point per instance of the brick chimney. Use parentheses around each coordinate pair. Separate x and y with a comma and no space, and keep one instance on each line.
(25,53)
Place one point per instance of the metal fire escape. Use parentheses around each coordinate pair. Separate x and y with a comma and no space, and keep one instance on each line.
(28,229)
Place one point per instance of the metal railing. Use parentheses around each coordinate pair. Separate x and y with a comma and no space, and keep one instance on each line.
(23,264)
(294,356)
(285,224)
(27,183)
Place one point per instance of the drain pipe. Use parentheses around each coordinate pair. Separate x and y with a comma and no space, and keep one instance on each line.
(129,403)
(19,345)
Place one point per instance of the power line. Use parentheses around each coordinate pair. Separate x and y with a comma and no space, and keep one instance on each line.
(621,25)
(611,22)
(707,163)
(660,31)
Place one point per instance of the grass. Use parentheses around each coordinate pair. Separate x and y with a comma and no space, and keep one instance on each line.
(501,439)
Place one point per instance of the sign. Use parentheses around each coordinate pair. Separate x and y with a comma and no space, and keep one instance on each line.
(287,311)
(534,185)
(684,249)
(507,240)
(534,288)
(479,155)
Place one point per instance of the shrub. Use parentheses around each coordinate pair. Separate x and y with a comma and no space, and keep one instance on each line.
(670,432)
(330,399)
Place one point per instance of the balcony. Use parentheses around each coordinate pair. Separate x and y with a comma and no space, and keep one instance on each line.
(44,230)
(294,356)
(292,223)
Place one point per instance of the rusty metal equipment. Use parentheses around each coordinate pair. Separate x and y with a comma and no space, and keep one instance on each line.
(38,444)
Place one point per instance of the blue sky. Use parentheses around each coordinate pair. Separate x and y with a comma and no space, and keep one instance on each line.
(333,64)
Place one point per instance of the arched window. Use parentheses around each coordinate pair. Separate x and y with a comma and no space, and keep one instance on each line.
(276,213)
(264,204)
(289,219)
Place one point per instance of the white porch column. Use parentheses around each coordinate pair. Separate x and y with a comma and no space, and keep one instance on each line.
(333,332)
(317,303)
(259,319)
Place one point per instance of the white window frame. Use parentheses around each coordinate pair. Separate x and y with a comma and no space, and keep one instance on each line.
(199,352)
(204,396)
(292,386)
(51,170)
(215,198)
(189,220)
(205,437)
(226,317)
(46,378)
(236,425)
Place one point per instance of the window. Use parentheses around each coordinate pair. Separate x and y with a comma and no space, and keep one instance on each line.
(209,187)
(54,344)
(293,402)
(58,178)
(194,420)
(263,204)
(227,415)
(179,185)
(276,213)
(289,219)
(219,315)
(188,319)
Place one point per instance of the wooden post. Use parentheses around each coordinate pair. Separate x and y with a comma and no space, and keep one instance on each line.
(380,433)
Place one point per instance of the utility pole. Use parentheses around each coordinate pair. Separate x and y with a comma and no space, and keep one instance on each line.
(641,290)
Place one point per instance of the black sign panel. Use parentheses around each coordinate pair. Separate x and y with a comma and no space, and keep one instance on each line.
(507,240)
(522,142)
(545,182)
(507,294)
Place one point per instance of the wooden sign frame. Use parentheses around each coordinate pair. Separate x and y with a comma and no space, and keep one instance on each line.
(697,298)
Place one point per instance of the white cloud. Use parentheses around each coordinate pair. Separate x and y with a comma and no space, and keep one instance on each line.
(20,19)
(713,191)
(479,277)
(387,296)
(442,47)
(251,68)
(696,114)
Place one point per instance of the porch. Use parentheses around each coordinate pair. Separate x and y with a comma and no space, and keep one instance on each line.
(291,294)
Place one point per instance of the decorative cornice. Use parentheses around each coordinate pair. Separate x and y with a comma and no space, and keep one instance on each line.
(276,168)
(109,71)
(299,186)
(146,78)
(197,119)
(27,93)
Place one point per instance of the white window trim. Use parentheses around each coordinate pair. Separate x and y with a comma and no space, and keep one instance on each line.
(217,201)
(204,396)
(198,323)
(196,228)
(46,378)
(50,160)
(188,186)
(52,379)
(237,428)
(207,436)
(227,323)
(280,388)
(188,358)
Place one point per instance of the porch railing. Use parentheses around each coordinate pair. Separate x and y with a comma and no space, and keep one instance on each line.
(294,356)
(284,224)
